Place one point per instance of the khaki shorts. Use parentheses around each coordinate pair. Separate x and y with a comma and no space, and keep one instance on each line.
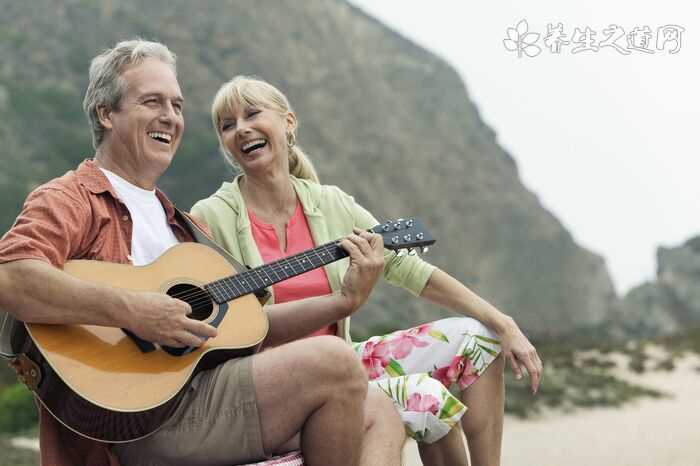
(217,423)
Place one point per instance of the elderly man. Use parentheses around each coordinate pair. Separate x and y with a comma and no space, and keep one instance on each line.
(109,209)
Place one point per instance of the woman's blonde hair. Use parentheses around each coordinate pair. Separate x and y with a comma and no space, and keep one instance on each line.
(246,91)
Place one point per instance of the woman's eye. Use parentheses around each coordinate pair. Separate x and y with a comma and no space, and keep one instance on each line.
(252,113)
(226,125)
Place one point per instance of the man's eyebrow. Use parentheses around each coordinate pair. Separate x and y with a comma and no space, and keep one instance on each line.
(146,95)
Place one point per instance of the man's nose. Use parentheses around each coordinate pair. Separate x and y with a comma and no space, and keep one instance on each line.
(168,114)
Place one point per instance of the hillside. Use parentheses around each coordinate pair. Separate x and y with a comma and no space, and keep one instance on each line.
(384,119)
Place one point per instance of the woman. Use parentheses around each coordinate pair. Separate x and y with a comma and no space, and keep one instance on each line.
(277,207)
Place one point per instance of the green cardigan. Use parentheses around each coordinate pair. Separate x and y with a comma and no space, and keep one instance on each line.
(331,214)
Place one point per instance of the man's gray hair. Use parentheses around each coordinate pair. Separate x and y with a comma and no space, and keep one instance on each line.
(107,87)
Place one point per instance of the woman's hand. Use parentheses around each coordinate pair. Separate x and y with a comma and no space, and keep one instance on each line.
(446,291)
(366,265)
(519,352)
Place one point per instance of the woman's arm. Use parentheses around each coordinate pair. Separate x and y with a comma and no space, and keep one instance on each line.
(297,319)
(448,292)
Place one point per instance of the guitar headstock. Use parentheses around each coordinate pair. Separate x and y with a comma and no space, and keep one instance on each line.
(407,236)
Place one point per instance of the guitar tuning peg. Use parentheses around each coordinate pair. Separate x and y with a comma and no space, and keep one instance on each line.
(409,222)
(412,252)
(424,249)
(401,252)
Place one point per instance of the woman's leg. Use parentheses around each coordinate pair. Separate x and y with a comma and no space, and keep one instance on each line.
(483,425)
(448,451)
(453,351)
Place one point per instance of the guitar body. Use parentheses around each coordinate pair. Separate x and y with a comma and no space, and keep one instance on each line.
(96,380)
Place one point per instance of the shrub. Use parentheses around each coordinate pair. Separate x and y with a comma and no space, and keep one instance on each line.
(17,409)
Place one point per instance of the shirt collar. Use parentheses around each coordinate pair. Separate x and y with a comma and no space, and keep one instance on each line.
(90,176)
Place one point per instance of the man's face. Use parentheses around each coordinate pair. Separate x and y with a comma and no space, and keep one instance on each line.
(145,131)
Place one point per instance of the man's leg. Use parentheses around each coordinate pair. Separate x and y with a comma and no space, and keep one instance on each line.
(315,386)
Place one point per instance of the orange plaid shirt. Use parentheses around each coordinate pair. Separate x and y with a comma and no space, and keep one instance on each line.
(76,216)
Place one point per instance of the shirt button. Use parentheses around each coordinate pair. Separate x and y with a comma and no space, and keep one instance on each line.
(125,218)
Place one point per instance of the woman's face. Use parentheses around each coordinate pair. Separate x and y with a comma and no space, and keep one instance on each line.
(256,137)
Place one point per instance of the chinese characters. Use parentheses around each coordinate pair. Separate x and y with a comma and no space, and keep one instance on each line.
(582,40)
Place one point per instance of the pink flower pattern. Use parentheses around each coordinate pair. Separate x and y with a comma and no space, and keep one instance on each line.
(422,403)
(402,343)
(460,370)
(451,351)
(375,358)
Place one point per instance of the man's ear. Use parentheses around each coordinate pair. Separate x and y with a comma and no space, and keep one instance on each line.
(104,116)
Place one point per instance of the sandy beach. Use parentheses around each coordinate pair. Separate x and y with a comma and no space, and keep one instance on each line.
(649,432)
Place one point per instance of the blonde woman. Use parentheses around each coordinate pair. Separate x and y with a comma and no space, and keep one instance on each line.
(277,207)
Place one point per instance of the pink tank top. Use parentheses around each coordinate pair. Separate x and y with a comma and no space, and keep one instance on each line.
(306,285)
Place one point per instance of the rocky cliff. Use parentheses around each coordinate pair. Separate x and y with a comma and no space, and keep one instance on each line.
(670,303)
(381,117)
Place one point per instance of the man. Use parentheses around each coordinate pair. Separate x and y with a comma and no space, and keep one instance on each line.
(108,209)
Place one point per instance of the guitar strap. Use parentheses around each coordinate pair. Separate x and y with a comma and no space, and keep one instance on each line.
(201,237)
(10,331)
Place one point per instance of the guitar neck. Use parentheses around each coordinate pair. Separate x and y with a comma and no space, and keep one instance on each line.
(252,280)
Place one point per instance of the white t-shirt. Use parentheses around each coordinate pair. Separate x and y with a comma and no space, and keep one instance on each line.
(151,234)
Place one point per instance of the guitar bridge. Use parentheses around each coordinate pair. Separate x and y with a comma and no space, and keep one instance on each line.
(28,371)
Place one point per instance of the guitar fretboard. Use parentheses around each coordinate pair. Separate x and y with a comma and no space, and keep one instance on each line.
(252,280)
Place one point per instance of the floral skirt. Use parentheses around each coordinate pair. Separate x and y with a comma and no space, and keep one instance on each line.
(415,368)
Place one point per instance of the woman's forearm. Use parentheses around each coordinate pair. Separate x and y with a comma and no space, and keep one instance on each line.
(297,319)
(446,291)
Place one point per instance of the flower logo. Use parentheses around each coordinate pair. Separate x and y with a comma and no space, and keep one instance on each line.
(522,41)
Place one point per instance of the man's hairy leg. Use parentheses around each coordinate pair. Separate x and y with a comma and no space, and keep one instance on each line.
(317,387)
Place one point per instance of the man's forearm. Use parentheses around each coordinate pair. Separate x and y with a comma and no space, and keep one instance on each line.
(36,292)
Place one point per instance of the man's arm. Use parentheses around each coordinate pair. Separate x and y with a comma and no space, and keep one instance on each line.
(36,292)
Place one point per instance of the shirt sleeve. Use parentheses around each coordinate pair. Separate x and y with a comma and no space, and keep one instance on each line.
(50,227)
(409,272)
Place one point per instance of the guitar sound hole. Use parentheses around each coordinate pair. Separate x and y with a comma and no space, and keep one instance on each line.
(198,299)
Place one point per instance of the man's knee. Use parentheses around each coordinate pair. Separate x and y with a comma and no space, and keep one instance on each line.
(334,362)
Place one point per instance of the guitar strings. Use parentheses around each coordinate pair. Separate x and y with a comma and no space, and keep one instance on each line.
(201,296)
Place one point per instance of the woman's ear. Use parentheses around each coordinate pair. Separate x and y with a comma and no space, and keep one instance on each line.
(104,116)
(291,122)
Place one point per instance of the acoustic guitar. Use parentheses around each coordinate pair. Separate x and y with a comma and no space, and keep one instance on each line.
(108,385)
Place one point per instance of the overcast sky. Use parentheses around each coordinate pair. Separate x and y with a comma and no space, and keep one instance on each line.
(607,140)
